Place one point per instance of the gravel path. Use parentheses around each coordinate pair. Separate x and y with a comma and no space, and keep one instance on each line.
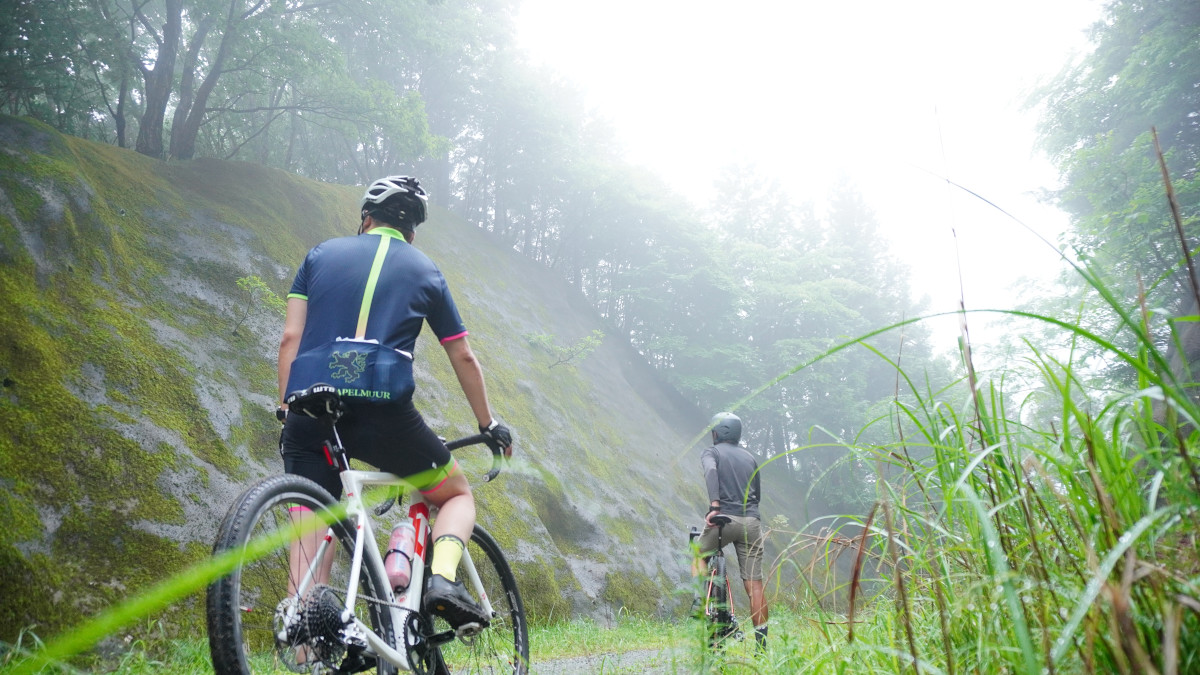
(649,661)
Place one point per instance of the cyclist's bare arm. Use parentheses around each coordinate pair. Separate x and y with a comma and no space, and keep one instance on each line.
(470,377)
(293,328)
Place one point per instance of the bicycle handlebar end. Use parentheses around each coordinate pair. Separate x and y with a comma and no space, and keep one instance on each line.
(495,470)
(497,459)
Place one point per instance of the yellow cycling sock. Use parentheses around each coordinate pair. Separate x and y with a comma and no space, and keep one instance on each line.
(447,552)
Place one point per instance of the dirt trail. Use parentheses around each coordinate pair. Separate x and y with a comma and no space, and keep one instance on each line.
(649,661)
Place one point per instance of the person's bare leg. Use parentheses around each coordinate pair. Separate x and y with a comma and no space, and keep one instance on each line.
(455,518)
(446,596)
(758,601)
(456,507)
(758,610)
(304,550)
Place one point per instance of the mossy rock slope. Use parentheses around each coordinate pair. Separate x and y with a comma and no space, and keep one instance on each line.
(131,414)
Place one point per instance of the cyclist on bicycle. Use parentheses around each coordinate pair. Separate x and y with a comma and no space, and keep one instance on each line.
(732,480)
(353,315)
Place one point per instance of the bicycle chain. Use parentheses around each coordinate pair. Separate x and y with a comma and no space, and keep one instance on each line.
(381,601)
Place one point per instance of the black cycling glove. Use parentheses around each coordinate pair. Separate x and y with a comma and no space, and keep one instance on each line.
(499,438)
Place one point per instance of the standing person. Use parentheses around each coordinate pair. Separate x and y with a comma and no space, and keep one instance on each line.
(731,478)
(353,315)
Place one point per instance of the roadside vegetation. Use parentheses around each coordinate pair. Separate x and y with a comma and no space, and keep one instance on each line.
(1022,528)
(1037,515)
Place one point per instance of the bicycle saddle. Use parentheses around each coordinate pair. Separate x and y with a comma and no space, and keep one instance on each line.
(721,520)
(318,401)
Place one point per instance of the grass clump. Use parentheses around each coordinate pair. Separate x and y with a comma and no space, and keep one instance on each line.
(1051,532)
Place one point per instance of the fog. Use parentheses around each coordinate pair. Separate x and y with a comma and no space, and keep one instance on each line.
(899,97)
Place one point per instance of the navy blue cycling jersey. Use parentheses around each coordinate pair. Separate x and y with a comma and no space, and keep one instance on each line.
(373,286)
(370,287)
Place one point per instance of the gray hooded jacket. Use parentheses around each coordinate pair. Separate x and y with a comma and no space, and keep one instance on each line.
(728,471)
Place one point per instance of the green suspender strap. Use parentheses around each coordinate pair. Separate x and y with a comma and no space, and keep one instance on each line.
(372,282)
(358,367)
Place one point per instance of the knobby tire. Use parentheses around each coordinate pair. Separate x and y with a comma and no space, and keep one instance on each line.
(241,606)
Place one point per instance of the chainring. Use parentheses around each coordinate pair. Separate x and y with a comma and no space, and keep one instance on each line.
(422,656)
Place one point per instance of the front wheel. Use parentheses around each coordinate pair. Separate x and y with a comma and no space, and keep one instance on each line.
(503,647)
(256,624)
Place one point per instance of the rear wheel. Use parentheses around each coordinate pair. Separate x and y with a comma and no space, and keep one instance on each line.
(502,647)
(718,610)
(248,628)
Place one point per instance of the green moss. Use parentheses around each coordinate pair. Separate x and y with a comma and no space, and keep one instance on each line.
(79,320)
(620,529)
(258,433)
(632,591)
(286,228)
(58,452)
(541,591)
(20,518)
(567,528)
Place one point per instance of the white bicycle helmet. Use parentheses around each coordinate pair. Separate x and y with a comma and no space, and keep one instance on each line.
(411,196)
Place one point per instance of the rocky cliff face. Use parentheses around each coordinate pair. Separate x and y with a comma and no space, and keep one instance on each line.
(131,412)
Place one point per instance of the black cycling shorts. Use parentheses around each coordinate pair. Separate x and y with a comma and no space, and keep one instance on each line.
(390,436)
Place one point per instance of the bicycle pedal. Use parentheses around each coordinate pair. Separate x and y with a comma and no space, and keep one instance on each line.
(469,630)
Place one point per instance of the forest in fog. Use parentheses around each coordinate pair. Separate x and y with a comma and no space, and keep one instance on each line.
(721,298)
(1053,482)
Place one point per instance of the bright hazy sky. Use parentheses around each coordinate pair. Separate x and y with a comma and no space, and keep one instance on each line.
(885,91)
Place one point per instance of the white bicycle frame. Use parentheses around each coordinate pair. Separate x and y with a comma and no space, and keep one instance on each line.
(353,483)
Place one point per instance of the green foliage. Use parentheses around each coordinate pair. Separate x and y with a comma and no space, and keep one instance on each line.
(1142,73)
(57,61)
(565,354)
(275,83)
(256,294)
(1097,122)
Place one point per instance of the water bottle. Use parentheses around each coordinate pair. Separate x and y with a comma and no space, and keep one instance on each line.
(397,562)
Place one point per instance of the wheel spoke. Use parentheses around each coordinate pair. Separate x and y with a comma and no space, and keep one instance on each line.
(503,647)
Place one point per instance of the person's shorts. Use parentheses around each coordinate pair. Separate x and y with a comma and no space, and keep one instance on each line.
(746,535)
(392,437)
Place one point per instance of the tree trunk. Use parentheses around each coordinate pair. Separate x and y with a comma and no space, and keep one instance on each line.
(434,174)
(158,83)
(293,132)
(183,137)
(500,223)
(187,84)
(119,113)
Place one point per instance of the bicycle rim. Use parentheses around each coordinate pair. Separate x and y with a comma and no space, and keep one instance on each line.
(503,647)
(243,616)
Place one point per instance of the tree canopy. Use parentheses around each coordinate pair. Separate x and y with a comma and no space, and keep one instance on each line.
(1100,119)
